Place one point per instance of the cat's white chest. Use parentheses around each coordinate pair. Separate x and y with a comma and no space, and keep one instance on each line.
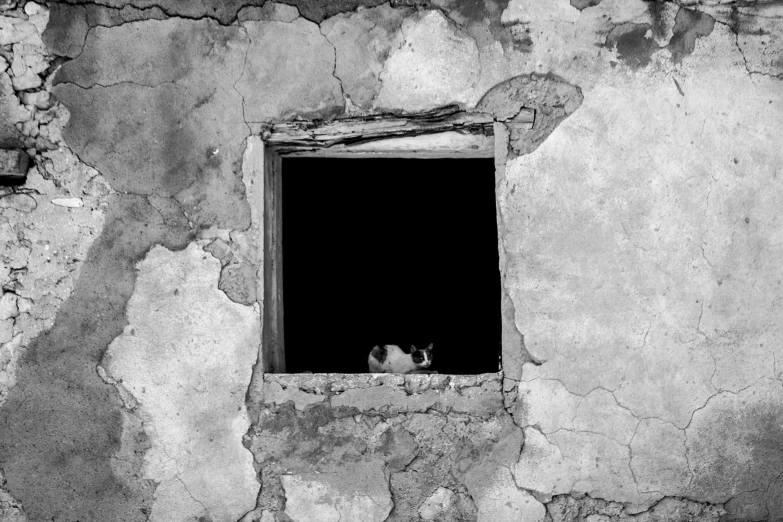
(397,361)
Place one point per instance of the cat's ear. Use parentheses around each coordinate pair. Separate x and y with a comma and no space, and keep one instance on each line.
(413,348)
(429,348)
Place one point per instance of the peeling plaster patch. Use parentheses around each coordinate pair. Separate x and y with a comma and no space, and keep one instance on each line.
(567,41)
(688,25)
(163,118)
(67,29)
(356,493)
(552,98)
(436,65)
(270,11)
(237,278)
(277,84)
(634,43)
(363,41)
(186,357)
(584,4)
(735,443)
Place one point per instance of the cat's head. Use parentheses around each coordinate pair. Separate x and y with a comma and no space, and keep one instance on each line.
(422,358)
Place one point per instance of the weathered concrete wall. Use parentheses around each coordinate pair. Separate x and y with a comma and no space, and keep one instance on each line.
(640,236)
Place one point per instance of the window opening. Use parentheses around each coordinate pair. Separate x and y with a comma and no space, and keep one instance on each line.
(387,251)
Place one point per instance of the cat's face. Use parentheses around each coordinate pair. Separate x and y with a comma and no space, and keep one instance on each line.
(422,358)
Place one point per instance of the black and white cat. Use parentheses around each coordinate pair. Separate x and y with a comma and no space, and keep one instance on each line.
(391,359)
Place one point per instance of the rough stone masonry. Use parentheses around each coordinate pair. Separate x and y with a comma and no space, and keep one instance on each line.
(640,246)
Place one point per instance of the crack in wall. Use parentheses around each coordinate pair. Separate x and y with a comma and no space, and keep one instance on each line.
(241,75)
(347,104)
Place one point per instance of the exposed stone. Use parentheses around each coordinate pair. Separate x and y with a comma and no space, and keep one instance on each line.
(356,493)
(481,400)
(436,65)
(15,30)
(8,306)
(302,84)
(193,399)
(6,331)
(567,508)
(40,99)
(68,202)
(11,113)
(28,63)
(438,504)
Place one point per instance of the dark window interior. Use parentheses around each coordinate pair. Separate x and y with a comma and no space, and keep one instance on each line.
(390,251)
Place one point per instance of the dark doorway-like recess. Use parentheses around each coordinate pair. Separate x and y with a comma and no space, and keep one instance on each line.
(390,251)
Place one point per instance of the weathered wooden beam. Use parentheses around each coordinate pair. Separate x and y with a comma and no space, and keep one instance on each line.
(13,165)
(273,345)
(449,144)
(295,135)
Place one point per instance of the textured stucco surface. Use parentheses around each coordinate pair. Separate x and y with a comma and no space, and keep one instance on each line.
(183,364)
(639,240)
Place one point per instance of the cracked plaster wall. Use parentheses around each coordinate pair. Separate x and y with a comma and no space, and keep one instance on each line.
(639,246)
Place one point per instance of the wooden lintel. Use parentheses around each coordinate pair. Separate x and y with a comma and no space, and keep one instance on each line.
(294,135)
